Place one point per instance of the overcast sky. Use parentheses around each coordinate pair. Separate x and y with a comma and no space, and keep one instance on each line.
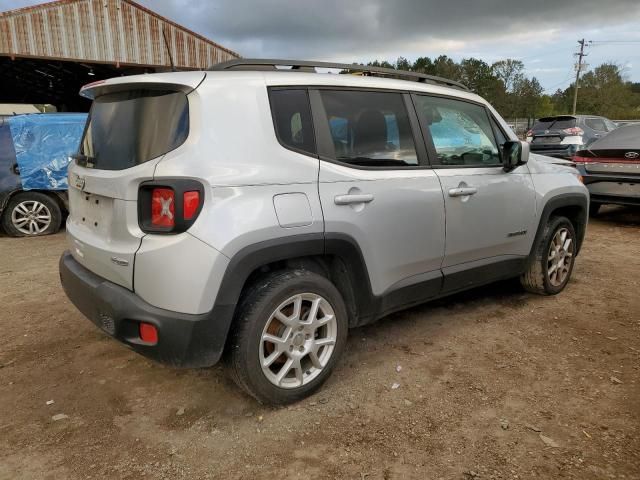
(542,33)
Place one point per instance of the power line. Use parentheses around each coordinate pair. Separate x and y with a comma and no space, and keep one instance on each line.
(552,87)
(592,42)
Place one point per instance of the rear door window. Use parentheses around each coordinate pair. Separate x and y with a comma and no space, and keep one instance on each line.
(292,119)
(596,124)
(369,128)
(128,128)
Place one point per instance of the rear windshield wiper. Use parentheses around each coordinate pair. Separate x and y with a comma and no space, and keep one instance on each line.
(83,160)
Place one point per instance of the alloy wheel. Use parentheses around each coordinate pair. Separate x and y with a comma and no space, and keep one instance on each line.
(298,340)
(560,257)
(31,217)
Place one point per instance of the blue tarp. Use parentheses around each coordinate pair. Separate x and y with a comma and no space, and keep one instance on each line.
(43,144)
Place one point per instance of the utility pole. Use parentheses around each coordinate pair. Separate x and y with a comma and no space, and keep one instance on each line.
(579,66)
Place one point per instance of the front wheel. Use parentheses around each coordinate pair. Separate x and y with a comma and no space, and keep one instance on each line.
(290,330)
(550,267)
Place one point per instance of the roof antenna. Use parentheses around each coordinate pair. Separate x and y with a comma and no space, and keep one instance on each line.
(164,35)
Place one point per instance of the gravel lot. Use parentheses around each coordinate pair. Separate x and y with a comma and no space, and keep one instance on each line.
(493,383)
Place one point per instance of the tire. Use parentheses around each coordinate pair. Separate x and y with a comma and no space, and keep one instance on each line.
(540,276)
(31,214)
(260,312)
(594,209)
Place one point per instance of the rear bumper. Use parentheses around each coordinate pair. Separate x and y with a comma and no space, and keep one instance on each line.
(611,188)
(184,340)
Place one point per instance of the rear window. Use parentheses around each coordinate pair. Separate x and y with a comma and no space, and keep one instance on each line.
(554,123)
(128,128)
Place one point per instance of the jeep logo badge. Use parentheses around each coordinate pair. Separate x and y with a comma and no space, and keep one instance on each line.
(632,155)
(79,182)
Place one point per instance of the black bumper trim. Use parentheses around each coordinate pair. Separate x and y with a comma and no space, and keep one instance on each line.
(592,178)
(184,340)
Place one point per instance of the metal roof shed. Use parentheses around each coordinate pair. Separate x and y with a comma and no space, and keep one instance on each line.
(48,51)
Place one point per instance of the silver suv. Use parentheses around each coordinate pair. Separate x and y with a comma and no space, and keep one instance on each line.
(260,212)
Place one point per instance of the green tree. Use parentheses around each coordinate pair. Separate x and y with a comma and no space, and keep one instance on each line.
(423,65)
(479,77)
(444,66)
(527,93)
(510,72)
(403,64)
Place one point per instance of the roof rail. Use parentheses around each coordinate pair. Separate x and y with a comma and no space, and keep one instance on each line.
(262,64)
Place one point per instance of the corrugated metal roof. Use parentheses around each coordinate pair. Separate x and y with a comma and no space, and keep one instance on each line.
(107,31)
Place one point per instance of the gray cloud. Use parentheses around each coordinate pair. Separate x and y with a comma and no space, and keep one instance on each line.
(543,33)
(347,27)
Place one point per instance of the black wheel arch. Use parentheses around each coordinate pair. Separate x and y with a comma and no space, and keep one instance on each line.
(574,206)
(59,196)
(335,256)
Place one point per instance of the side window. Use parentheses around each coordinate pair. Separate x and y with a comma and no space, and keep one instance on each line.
(369,128)
(596,124)
(610,125)
(292,119)
(461,131)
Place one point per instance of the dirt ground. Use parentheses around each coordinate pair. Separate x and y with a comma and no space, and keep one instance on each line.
(493,383)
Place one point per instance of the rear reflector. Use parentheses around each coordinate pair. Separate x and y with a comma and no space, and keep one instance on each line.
(191,203)
(162,207)
(148,333)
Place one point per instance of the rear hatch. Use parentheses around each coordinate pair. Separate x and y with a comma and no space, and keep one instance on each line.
(133,123)
(553,133)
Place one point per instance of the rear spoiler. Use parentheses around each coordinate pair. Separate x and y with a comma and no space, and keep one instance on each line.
(178,81)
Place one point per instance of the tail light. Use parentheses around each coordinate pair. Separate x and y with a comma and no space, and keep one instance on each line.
(581,159)
(169,206)
(163,210)
(573,131)
(190,203)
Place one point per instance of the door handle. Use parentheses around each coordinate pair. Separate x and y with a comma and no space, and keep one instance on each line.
(462,191)
(351,199)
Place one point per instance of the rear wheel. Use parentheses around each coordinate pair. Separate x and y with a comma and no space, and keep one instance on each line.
(551,265)
(290,331)
(30,214)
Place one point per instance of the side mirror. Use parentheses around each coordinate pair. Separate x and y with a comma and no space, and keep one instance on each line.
(514,154)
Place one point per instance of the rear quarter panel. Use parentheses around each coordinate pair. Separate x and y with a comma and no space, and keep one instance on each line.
(234,151)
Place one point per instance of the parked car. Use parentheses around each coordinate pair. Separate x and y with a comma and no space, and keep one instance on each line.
(269,211)
(34,151)
(611,168)
(563,135)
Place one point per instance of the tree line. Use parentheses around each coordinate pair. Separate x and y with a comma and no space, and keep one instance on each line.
(603,90)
